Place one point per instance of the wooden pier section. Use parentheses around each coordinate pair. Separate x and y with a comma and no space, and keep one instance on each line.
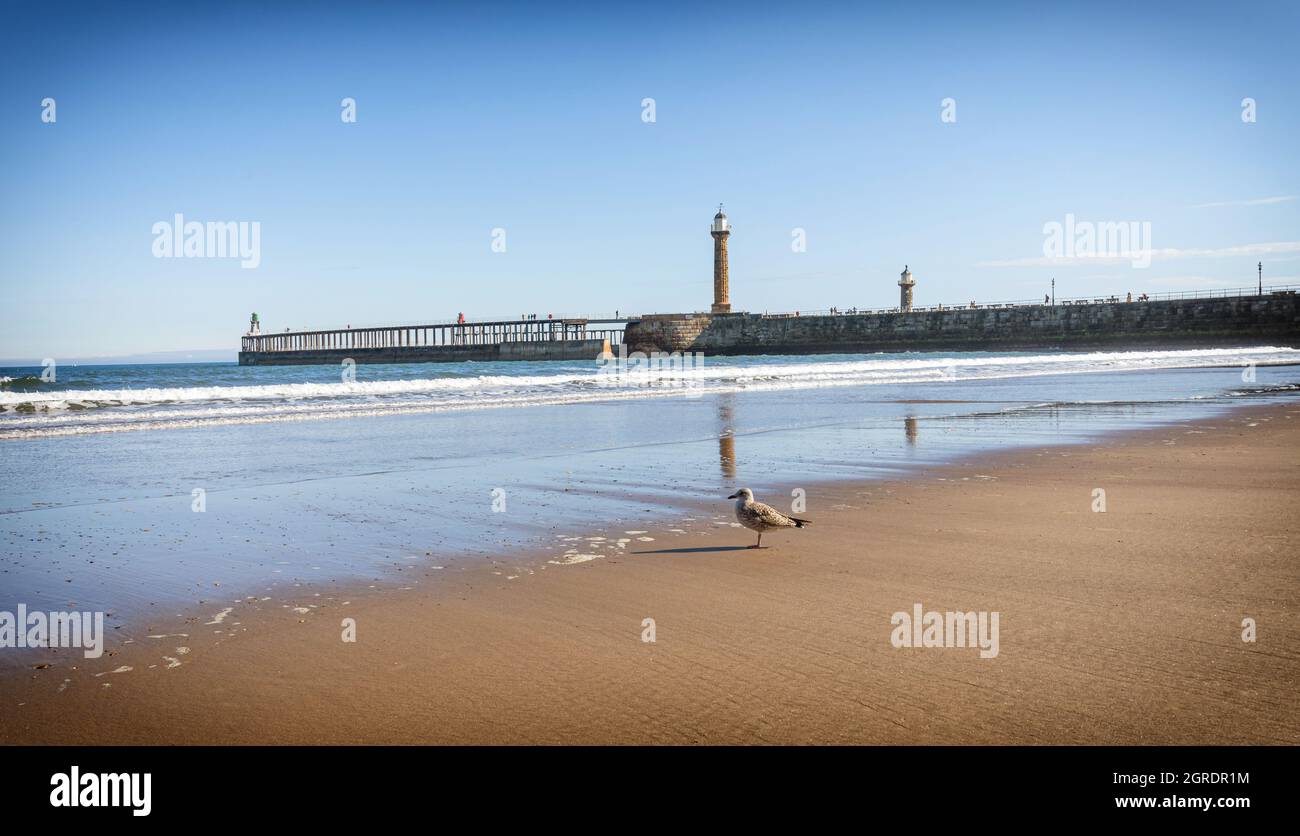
(446,342)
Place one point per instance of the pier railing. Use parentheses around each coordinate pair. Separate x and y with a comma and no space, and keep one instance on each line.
(1217,293)
(436,334)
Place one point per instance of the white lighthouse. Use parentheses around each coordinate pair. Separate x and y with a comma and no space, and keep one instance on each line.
(905,285)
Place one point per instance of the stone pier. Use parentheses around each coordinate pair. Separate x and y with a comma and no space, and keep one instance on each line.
(1270,319)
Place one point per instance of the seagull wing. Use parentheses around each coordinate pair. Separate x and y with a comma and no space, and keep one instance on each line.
(767,515)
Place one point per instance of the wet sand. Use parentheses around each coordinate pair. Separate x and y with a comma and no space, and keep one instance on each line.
(1120,627)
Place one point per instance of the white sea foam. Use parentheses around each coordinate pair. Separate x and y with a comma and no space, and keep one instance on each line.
(75,412)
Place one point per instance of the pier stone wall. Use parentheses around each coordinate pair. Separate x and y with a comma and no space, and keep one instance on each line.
(1248,320)
(558,350)
(667,332)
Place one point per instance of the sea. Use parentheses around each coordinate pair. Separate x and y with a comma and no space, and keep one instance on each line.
(143,489)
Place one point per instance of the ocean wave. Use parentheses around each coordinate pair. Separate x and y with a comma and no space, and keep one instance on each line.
(74,412)
(22,381)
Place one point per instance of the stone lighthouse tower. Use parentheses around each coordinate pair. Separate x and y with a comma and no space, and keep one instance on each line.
(905,285)
(720,231)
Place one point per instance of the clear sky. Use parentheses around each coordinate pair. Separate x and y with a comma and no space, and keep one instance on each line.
(529,118)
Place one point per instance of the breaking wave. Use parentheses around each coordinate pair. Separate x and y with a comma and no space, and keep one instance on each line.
(74,411)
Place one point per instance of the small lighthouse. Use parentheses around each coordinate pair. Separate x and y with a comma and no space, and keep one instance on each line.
(720,231)
(905,285)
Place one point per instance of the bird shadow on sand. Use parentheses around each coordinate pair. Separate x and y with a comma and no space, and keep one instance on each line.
(704,550)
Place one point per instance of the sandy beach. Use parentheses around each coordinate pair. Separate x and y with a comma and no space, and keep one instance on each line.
(1122,627)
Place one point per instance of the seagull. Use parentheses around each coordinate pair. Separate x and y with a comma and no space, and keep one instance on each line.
(759,517)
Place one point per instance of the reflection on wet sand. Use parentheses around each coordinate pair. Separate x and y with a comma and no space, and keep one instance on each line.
(909,428)
(727,436)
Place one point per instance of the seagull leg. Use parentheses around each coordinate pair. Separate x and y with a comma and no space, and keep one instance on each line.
(759,544)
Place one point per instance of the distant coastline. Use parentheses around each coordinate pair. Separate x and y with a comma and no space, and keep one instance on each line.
(203,355)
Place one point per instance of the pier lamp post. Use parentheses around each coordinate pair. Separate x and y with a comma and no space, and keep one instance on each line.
(1261,278)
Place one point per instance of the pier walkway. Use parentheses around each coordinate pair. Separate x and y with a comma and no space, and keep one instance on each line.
(440,334)
(569,338)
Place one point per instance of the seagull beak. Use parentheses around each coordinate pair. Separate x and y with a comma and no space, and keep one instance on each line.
(733,496)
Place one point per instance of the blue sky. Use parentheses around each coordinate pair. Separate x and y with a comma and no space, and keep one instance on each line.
(529,118)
